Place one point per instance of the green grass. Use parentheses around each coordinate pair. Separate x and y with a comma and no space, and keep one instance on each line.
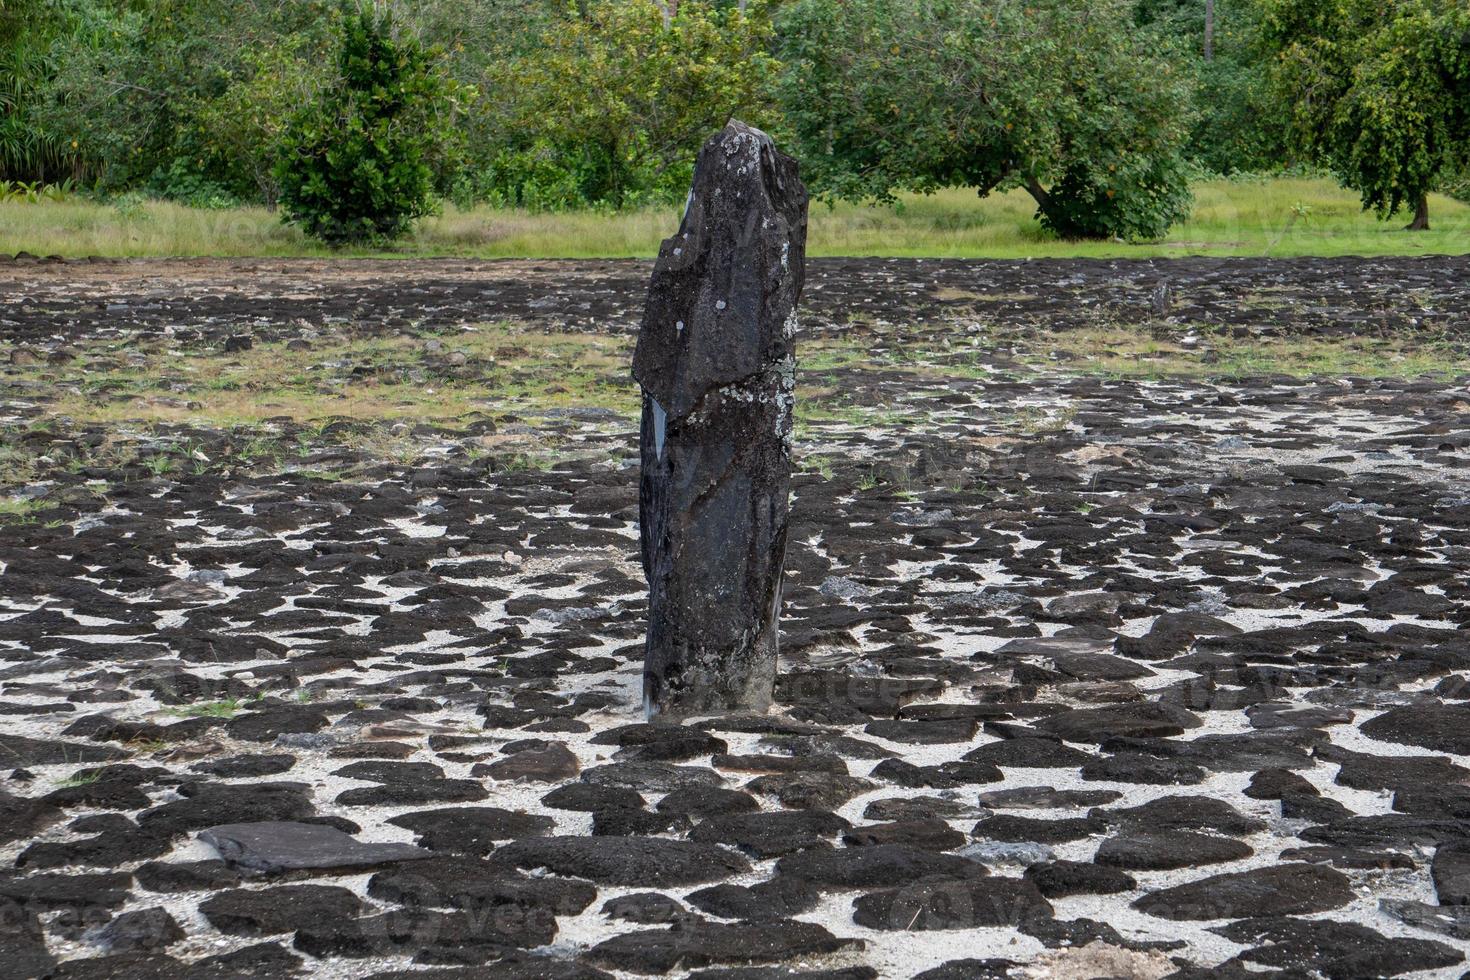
(1280,217)
(19,508)
(213,709)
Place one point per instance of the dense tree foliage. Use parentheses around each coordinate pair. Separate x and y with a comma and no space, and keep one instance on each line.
(1236,127)
(354,164)
(30,150)
(607,103)
(1099,109)
(1064,99)
(1380,89)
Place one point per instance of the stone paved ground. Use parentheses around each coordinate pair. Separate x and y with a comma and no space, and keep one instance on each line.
(1135,672)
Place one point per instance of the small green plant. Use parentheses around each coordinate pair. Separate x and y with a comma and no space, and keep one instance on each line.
(36,192)
(822,466)
(131,206)
(212,709)
(147,746)
(160,465)
(85,778)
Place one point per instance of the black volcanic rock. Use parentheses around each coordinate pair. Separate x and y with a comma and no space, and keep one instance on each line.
(1288,889)
(648,861)
(717,364)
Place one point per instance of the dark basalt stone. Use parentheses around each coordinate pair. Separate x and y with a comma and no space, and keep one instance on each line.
(22,941)
(1339,950)
(990,969)
(1097,725)
(932,835)
(429,936)
(946,775)
(1135,767)
(186,876)
(106,850)
(550,764)
(654,777)
(809,790)
(21,817)
(623,822)
(514,967)
(778,973)
(275,846)
(586,797)
(471,885)
(779,898)
(272,911)
(1184,813)
(661,743)
(768,835)
(648,861)
(214,804)
(265,725)
(1029,753)
(140,929)
(1441,727)
(1058,879)
(1168,849)
(1288,889)
(952,905)
(1014,829)
(1374,772)
(707,801)
(879,866)
(1451,872)
(47,892)
(17,750)
(695,944)
(644,908)
(1274,784)
(716,361)
(471,830)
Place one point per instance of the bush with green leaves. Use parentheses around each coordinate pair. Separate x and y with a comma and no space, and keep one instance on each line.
(31,149)
(1068,100)
(1379,90)
(356,164)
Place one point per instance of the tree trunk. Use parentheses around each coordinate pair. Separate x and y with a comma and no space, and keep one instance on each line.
(1209,30)
(1034,188)
(1421,215)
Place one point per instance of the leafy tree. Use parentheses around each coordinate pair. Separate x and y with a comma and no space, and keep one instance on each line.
(1238,125)
(356,164)
(1379,90)
(133,79)
(616,95)
(1064,99)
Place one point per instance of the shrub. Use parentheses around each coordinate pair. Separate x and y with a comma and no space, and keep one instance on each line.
(355,164)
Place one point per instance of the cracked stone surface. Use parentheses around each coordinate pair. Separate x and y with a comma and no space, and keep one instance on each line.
(1081,674)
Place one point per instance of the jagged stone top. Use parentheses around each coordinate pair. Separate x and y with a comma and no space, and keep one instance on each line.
(725,286)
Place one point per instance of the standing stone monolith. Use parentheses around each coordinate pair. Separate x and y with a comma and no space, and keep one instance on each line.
(717,362)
